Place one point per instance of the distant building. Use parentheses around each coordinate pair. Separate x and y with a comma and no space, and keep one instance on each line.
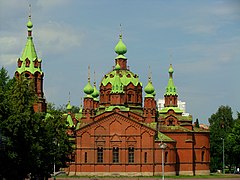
(119,130)
(180,104)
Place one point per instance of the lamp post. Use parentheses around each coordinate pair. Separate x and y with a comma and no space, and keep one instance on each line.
(54,164)
(163,147)
(223,164)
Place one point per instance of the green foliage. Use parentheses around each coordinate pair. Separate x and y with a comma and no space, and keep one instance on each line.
(29,141)
(221,124)
(233,142)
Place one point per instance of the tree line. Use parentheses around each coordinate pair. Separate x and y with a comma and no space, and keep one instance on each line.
(224,140)
(30,143)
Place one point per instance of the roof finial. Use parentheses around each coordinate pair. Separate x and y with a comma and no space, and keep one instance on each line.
(69,96)
(149,74)
(88,73)
(120,30)
(94,83)
(29,11)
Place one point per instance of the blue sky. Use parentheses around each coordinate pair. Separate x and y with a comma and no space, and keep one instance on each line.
(200,38)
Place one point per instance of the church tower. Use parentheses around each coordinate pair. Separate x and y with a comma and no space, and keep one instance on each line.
(171,91)
(29,65)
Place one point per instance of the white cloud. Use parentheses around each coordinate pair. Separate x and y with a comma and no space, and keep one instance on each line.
(57,38)
(8,59)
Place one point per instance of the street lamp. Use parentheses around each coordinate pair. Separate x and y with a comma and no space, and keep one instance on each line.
(163,147)
(223,164)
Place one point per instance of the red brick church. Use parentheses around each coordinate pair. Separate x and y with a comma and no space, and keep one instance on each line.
(119,130)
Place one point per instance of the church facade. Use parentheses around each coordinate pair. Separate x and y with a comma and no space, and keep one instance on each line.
(119,130)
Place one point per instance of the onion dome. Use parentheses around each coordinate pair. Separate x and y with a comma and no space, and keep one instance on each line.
(88,89)
(149,89)
(171,88)
(29,23)
(120,48)
(95,93)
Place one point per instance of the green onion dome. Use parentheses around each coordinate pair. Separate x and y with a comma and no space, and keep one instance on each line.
(95,93)
(120,48)
(170,70)
(29,23)
(149,89)
(88,89)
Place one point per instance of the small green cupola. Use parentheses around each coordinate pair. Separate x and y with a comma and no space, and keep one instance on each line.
(171,88)
(95,93)
(88,89)
(120,49)
(149,89)
(69,117)
(69,107)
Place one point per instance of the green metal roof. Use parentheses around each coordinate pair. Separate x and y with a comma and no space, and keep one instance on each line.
(117,86)
(88,89)
(122,108)
(175,109)
(70,121)
(69,107)
(29,53)
(163,137)
(171,88)
(120,49)
(149,89)
(126,77)
(95,93)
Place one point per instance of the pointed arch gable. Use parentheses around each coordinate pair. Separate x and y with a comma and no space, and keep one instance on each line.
(99,130)
(115,126)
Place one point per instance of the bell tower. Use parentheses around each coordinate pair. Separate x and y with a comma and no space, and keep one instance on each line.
(29,65)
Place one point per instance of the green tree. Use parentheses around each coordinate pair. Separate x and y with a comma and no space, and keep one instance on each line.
(221,124)
(32,141)
(234,144)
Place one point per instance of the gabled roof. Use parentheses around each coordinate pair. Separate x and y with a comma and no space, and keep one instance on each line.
(117,115)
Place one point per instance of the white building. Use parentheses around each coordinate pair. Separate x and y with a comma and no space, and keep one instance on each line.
(181,105)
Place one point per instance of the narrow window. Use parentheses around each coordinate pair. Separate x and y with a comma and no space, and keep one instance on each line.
(99,155)
(85,157)
(131,155)
(145,157)
(115,155)
(203,154)
(129,97)
(166,157)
